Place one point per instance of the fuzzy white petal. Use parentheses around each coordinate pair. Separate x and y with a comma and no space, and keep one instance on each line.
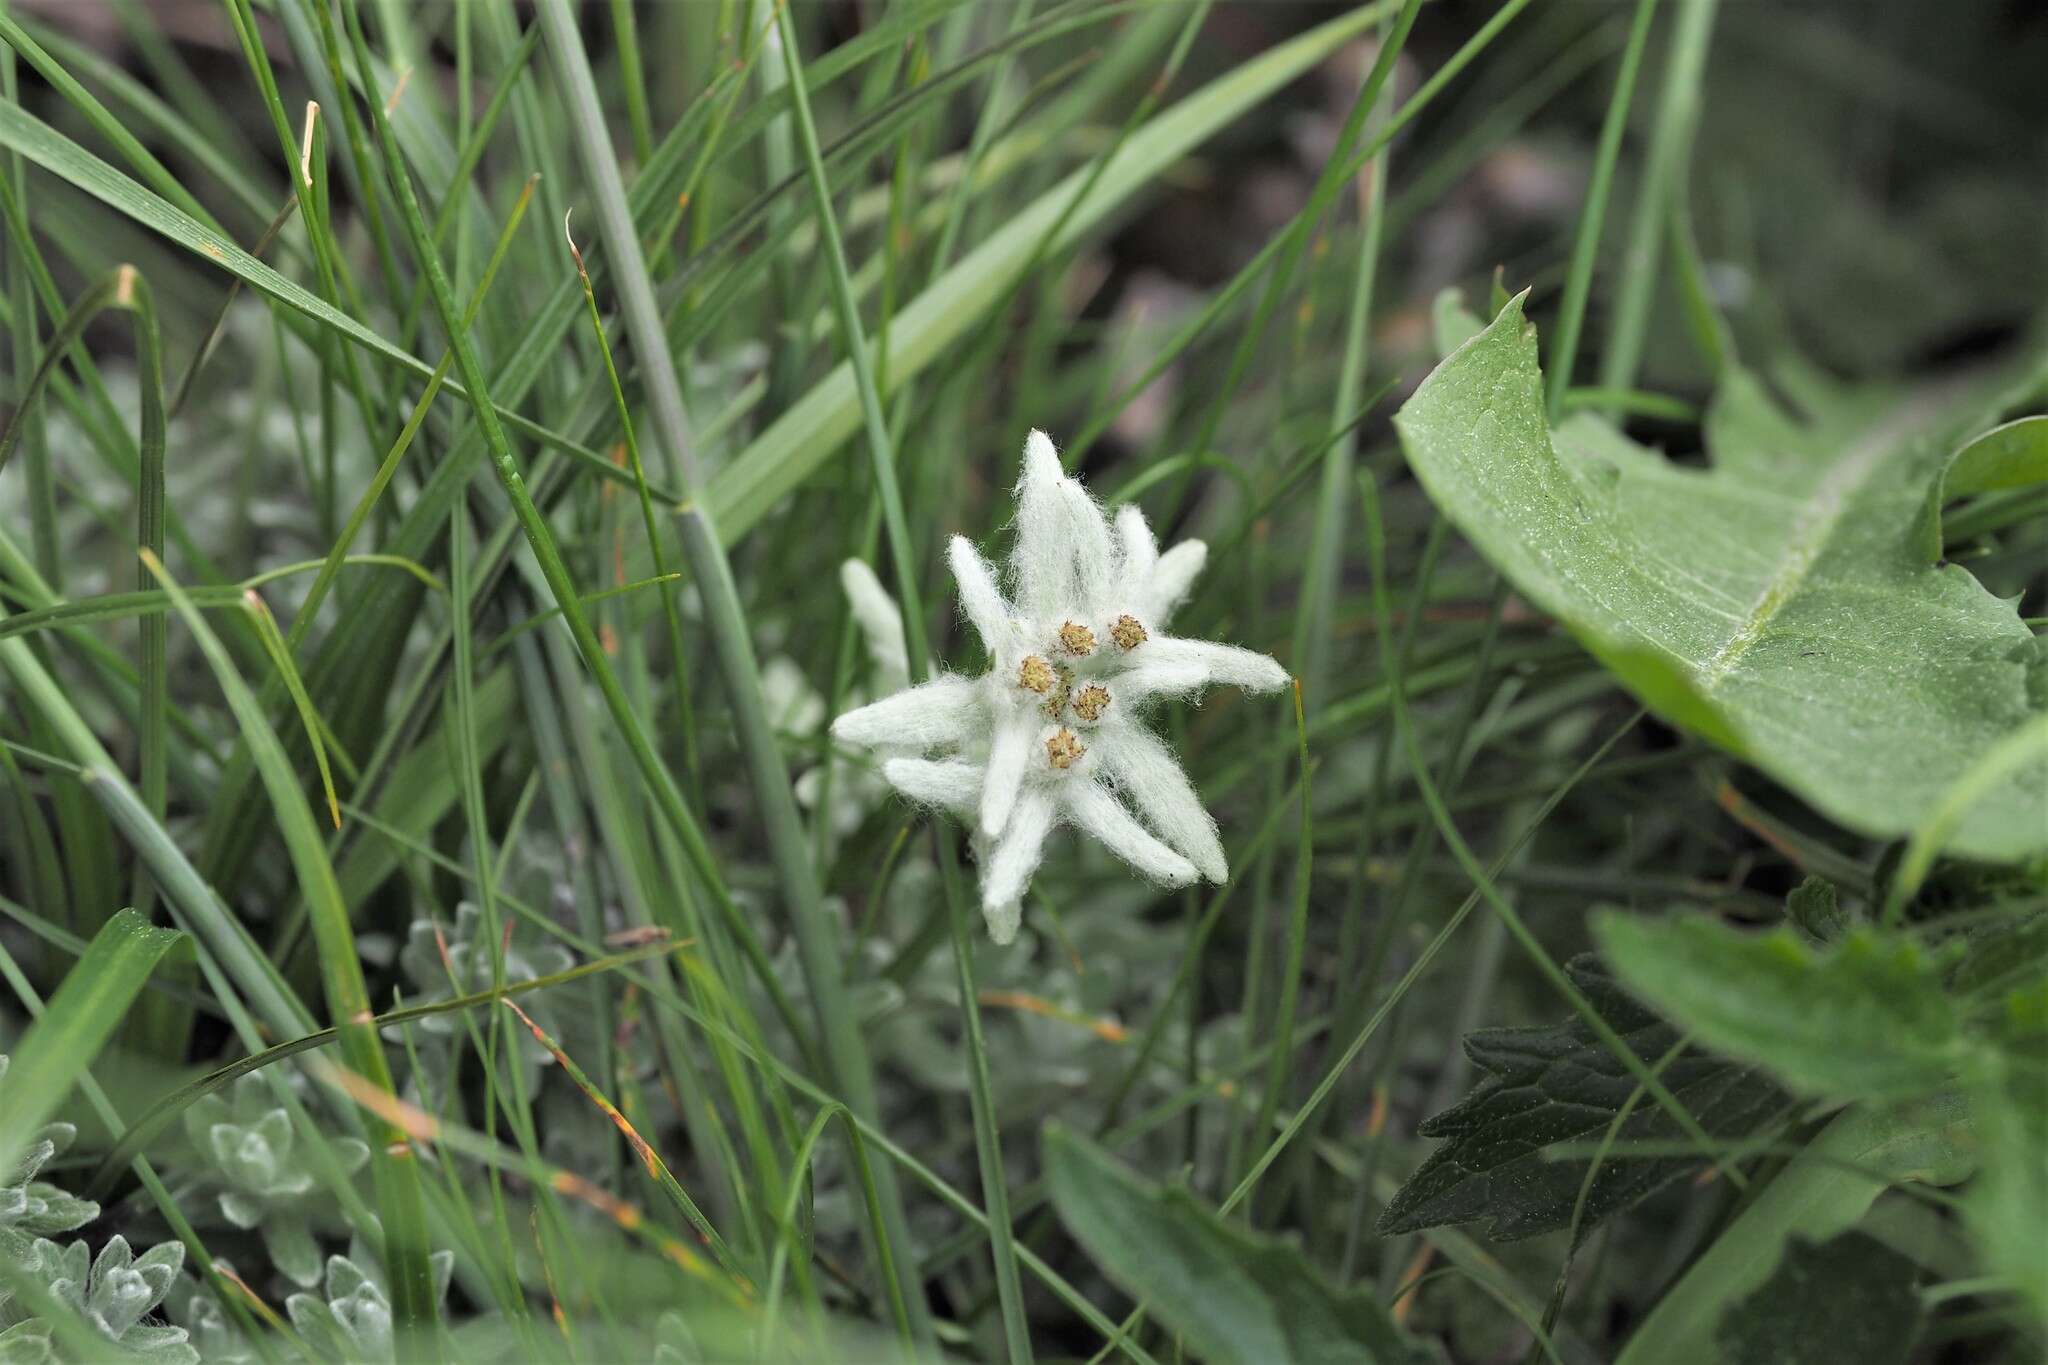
(1094,553)
(953,785)
(881,622)
(946,710)
(1150,778)
(1003,921)
(1171,578)
(979,597)
(1159,678)
(1092,808)
(1009,749)
(1043,561)
(1226,664)
(1015,856)
(1135,539)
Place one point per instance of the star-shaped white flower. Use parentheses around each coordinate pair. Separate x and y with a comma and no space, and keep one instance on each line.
(1051,733)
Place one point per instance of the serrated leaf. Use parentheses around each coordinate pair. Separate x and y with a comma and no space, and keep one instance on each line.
(1787,603)
(1865,1018)
(1815,906)
(1560,1084)
(1849,1298)
(1234,1296)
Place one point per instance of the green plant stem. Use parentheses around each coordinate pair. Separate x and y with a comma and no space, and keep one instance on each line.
(1578,283)
(1678,103)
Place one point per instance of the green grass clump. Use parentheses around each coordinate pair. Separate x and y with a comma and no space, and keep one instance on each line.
(436,920)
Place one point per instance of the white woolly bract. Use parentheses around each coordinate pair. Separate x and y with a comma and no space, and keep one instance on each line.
(1075,631)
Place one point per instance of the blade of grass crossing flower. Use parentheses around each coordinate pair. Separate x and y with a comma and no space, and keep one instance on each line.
(81,1017)
(987,1138)
(845,1043)
(395,1167)
(808,433)
(1578,282)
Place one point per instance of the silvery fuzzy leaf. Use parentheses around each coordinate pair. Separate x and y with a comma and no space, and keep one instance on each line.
(244,1211)
(160,1345)
(27,1343)
(49,1210)
(292,1249)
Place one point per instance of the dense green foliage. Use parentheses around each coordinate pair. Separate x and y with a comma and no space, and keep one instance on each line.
(437,921)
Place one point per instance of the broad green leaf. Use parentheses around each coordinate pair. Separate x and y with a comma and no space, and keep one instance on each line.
(1821,1194)
(1233,1295)
(1786,603)
(1557,1085)
(76,1024)
(2011,456)
(1864,1018)
(1849,1298)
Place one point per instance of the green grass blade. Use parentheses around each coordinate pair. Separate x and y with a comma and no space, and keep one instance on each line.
(1578,284)
(393,1161)
(43,145)
(987,1139)
(805,436)
(1678,107)
(165,1111)
(840,1033)
(60,1046)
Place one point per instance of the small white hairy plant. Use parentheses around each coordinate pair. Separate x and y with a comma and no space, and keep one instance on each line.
(1051,734)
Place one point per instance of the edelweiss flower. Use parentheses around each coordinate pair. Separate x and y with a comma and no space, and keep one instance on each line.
(1051,734)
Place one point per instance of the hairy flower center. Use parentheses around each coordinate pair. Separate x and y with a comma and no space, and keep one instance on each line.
(1077,639)
(1127,631)
(1035,675)
(1090,702)
(1064,749)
